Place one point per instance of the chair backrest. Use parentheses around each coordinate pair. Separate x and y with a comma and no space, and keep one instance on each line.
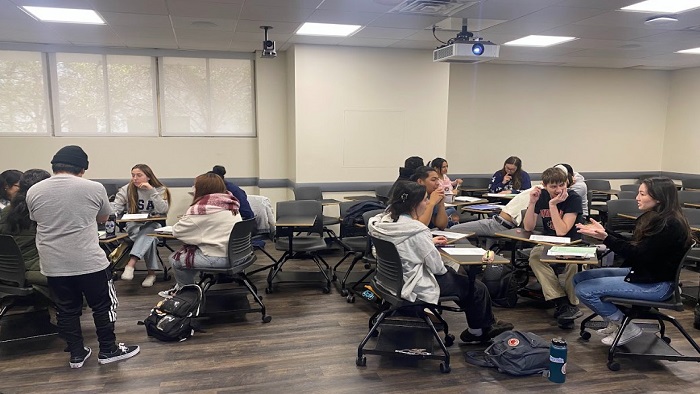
(239,245)
(676,299)
(308,193)
(630,188)
(389,273)
(382,193)
(617,223)
(627,195)
(691,183)
(344,206)
(11,263)
(112,190)
(692,215)
(300,208)
(539,226)
(690,196)
(598,184)
(369,253)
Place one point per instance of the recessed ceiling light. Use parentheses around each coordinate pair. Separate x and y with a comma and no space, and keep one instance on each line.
(660,20)
(539,41)
(64,15)
(669,6)
(327,29)
(692,51)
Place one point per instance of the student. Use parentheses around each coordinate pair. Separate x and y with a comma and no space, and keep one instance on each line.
(15,221)
(659,241)
(576,183)
(406,172)
(144,194)
(511,179)
(425,276)
(204,230)
(560,209)
(9,184)
(440,165)
(241,196)
(66,209)
(435,215)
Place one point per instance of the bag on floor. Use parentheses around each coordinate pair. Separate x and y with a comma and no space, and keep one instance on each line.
(501,284)
(516,353)
(120,256)
(175,318)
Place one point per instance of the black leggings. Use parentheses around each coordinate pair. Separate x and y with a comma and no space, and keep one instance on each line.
(474,300)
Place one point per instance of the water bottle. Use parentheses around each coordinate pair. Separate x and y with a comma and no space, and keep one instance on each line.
(696,321)
(557,360)
(111,226)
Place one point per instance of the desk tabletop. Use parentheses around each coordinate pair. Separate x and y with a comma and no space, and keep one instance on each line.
(519,234)
(162,235)
(554,260)
(611,192)
(360,198)
(117,237)
(499,196)
(329,201)
(148,219)
(489,212)
(296,221)
(693,227)
(468,188)
(470,260)
(465,203)
(691,205)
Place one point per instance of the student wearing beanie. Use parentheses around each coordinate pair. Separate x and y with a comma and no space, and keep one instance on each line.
(245,209)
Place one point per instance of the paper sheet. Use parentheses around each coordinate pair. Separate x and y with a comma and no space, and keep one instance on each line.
(164,230)
(467,199)
(464,251)
(448,234)
(550,239)
(134,216)
(573,251)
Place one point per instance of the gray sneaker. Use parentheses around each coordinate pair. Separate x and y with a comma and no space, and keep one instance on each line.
(121,353)
(568,313)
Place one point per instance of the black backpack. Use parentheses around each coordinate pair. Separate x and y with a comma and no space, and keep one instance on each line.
(175,319)
(353,217)
(502,285)
(515,353)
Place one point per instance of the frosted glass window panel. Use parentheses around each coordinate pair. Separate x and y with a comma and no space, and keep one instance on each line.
(185,94)
(24,107)
(232,97)
(82,105)
(131,81)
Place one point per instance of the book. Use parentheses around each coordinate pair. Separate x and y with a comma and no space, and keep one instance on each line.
(584,252)
(550,239)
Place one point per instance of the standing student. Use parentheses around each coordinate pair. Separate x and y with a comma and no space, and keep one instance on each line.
(659,241)
(240,194)
(144,194)
(560,209)
(511,178)
(435,215)
(66,209)
(425,276)
(204,229)
(9,185)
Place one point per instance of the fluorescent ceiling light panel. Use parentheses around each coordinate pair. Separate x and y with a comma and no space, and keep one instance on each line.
(669,6)
(539,41)
(64,15)
(327,29)
(693,51)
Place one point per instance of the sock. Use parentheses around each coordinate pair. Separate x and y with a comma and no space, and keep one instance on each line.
(560,301)
(476,331)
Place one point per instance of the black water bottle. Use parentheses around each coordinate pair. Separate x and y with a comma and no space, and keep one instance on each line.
(696,321)
(111,226)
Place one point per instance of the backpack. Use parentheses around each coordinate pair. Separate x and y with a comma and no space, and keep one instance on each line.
(120,256)
(516,353)
(353,217)
(174,319)
(502,285)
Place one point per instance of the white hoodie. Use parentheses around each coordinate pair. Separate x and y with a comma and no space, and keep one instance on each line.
(420,259)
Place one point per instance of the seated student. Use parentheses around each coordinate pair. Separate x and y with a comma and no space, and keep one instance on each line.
(440,165)
(508,218)
(652,256)
(240,194)
(425,276)
(9,184)
(435,215)
(407,171)
(204,230)
(511,179)
(560,210)
(144,194)
(15,221)
(576,183)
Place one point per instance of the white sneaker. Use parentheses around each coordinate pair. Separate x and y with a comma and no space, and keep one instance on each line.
(168,293)
(610,329)
(632,331)
(149,281)
(128,273)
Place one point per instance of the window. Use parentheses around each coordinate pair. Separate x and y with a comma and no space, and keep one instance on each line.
(24,105)
(212,97)
(105,94)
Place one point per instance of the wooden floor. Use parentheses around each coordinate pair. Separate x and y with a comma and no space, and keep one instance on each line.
(310,346)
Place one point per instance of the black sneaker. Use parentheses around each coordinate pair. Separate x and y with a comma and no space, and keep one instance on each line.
(471,339)
(499,327)
(121,353)
(568,313)
(78,361)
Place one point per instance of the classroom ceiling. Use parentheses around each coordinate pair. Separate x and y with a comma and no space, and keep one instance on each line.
(607,37)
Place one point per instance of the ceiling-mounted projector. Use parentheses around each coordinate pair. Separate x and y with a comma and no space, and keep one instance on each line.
(465,49)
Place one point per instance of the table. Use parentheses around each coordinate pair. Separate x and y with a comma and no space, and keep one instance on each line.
(498,196)
(691,205)
(456,203)
(472,189)
(486,212)
(360,198)
(470,260)
(329,201)
(554,260)
(518,234)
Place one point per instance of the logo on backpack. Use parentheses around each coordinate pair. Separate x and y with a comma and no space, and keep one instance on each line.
(175,318)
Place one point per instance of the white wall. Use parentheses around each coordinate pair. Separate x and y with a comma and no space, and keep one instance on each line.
(682,137)
(594,119)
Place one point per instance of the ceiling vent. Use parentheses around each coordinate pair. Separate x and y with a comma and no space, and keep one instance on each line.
(432,7)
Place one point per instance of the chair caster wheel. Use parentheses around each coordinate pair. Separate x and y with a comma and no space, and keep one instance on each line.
(267,319)
(449,340)
(667,340)
(585,335)
(343,292)
(613,365)
(350,299)
(444,368)
(326,290)
(361,361)
(268,290)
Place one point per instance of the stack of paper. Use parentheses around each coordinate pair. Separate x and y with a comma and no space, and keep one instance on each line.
(464,251)
(467,199)
(584,252)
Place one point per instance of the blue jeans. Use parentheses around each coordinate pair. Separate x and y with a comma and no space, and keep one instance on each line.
(593,284)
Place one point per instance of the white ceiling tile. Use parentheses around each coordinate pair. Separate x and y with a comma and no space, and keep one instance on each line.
(121,19)
(341,17)
(384,32)
(210,45)
(43,35)
(258,37)
(243,47)
(133,33)
(153,7)
(600,32)
(504,9)
(181,22)
(602,4)
(411,44)
(54,3)
(281,14)
(10,11)
(204,9)
(203,35)
(359,5)
(148,42)
(545,19)
(277,27)
(633,20)
(367,42)
(312,4)
(315,40)
(404,21)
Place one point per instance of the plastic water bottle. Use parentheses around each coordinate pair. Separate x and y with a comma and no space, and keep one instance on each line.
(557,360)
(696,321)
(111,226)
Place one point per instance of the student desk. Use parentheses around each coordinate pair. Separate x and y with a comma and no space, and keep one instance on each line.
(329,201)
(109,244)
(554,260)
(359,198)
(520,235)
(499,196)
(456,203)
(485,212)
(691,205)
(610,192)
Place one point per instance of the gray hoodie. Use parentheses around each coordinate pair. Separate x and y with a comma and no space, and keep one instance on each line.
(420,259)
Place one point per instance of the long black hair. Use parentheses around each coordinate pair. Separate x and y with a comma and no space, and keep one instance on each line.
(7,179)
(518,174)
(405,198)
(18,218)
(668,207)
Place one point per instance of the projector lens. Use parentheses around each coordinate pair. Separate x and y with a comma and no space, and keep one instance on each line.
(477,49)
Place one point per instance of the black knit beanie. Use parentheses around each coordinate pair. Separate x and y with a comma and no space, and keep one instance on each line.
(73,155)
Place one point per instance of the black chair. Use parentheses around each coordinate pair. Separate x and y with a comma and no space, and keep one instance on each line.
(352,239)
(691,184)
(627,195)
(689,196)
(630,188)
(111,190)
(616,222)
(366,255)
(387,283)
(14,289)
(480,183)
(314,193)
(597,200)
(240,256)
(648,345)
(300,246)
(382,193)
